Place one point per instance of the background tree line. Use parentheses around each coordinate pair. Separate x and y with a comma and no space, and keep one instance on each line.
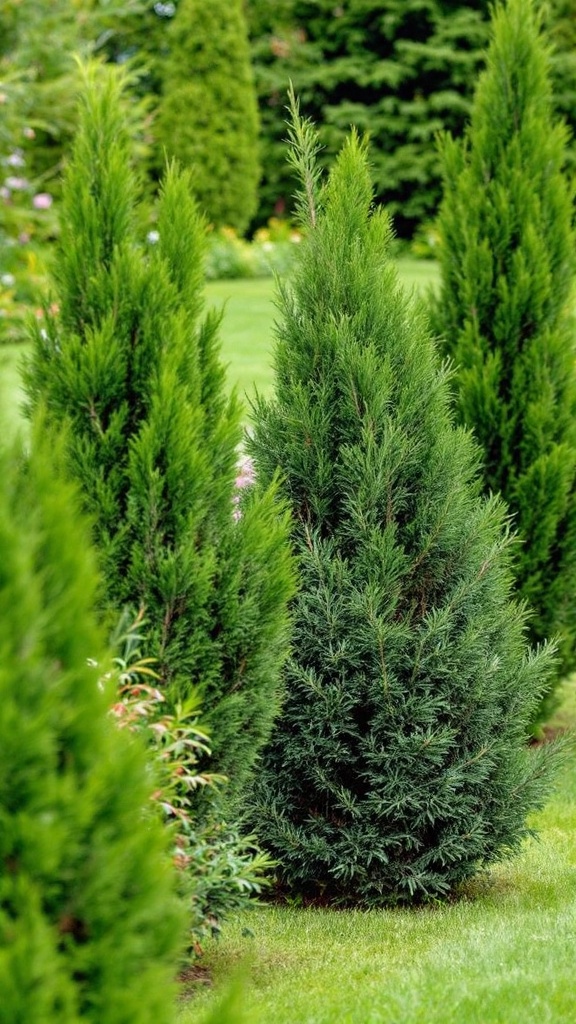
(401,70)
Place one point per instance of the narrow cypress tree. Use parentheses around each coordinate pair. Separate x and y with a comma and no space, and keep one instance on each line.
(208,112)
(399,765)
(132,365)
(89,929)
(505,312)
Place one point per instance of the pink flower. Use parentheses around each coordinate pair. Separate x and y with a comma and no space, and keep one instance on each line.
(245,478)
(42,201)
(17,184)
(246,475)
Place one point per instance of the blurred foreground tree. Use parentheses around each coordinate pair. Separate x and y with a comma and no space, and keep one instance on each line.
(89,926)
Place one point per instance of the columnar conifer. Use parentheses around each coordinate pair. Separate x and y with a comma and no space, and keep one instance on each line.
(89,928)
(208,112)
(505,311)
(399,765)
(131,364)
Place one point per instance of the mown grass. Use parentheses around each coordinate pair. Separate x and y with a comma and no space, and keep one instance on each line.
(247,337)
(248,324)
(503,954)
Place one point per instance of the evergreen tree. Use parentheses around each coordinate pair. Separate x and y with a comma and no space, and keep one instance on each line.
(400,70)
(208,114)
(89,929)
(132,365)
(399,765)
(505,311)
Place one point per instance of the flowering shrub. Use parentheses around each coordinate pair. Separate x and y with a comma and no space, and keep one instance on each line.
(27,224)
(218,869)
(270,252)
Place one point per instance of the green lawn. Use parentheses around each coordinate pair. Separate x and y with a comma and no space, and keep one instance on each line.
(503,955)
(248,327)
(247,336)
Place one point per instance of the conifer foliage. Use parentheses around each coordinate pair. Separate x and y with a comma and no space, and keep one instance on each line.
(208,112)
(399,764)
(505,311)
(89,928)
(131,365)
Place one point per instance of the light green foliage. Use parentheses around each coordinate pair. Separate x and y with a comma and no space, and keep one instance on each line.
(89,927)
(399,766)
(132,365)
(208,114)
(505,311)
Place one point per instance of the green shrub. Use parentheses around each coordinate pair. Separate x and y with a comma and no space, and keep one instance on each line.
(271,251)
(508,257)
(208,114)
(89,927)
(131,364)
(399,766)
(218,870)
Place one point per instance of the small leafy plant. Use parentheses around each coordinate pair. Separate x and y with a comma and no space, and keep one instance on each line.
(218,870)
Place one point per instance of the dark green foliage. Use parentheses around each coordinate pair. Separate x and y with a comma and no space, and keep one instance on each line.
(399,766)
(208,114)
(400,70)
(89,928)
(560,20)
(132,365)
(506,312)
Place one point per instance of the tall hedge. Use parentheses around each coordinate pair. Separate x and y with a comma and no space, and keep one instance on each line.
(89,929)
(208,112)
(399,766)
(505,311)
(131,365)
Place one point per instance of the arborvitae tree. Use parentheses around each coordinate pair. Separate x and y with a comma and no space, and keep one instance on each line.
(399,765)
(89,929)
(208,115)
(131,364)
(505,311)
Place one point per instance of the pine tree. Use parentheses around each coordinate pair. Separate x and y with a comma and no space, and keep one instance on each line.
(401,70)
(208,113)
(399,765)
(132,365)
(89,929)
(505,312)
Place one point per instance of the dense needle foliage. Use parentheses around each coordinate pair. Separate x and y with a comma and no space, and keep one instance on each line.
(131,365)
(89,928)
(505,312)
(399,765)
